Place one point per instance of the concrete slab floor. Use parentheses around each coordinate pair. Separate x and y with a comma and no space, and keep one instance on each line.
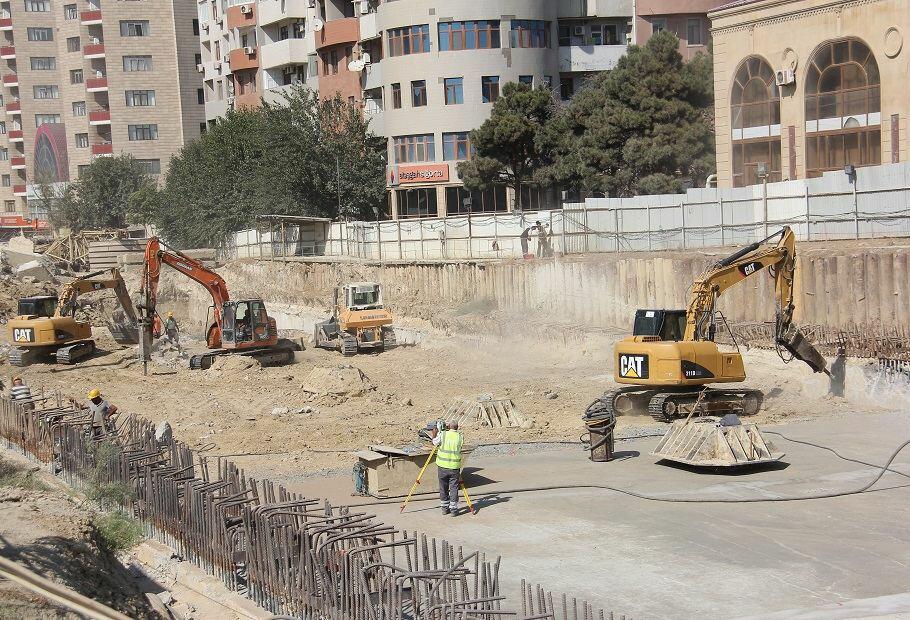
(654,559)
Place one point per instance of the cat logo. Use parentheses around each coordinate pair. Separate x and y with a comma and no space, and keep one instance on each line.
(749,268)
(24,334)
(633,366)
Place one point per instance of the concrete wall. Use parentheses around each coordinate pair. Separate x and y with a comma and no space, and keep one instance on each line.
(858,288)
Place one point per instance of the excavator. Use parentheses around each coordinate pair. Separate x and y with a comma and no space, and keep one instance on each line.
(238,327)
(670,359)
(46,326)
(359,322)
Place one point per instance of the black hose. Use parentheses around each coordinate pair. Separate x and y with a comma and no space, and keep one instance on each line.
(832,451)
(680,500)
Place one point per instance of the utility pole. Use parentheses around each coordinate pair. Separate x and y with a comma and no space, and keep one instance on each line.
(338,181)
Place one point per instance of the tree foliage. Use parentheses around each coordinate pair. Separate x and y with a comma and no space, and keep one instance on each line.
(104,196)
(302,156)
(508,146)
(643,128)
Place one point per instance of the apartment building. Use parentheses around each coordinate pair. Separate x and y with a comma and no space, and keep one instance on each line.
(83,80)
(425,72)
(687,19)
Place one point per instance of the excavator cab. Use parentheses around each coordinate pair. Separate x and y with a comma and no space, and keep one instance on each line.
(43,306)
(668,325)
(244,321)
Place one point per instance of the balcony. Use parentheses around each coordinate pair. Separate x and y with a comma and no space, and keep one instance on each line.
(6,23)
(90,18)
(14,107)
(238,59)
(20,190)
(15,135)
(99,117)
(11,80)
(103,150)
(7,52)
(369,27)
(287,52)
(270,11)
(372,76)
(241,15)
(574,58)
(93,50)
(338,31)
(17,163)
(96,85)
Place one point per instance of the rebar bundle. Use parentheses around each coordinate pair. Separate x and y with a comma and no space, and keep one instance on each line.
(290,554)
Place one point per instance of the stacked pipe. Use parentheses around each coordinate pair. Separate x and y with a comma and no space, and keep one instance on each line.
(290,554)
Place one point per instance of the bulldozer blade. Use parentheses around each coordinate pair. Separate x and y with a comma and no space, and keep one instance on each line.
(800,348)
(707,442)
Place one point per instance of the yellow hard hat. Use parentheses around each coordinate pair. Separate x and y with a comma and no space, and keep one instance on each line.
(170,314)
(95,393)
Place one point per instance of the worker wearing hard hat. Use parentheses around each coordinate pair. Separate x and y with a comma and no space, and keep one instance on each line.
(448,463)
(104,414)
(172,331)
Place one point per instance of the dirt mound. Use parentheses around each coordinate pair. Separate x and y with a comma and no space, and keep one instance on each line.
(340,380)
(235,363)
(12,289)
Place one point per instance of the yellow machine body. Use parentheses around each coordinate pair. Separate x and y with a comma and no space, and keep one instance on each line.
(647,360)
(34,331)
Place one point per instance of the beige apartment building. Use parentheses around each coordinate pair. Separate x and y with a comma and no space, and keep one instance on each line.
(84,79)
(808,86)
(425,72)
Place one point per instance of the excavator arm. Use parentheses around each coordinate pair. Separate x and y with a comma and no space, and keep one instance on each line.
(66,305)
(156,256)
(780,260)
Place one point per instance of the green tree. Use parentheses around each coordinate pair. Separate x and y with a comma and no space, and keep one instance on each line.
(509,147)
(103,197)
(646,127)
(295,157)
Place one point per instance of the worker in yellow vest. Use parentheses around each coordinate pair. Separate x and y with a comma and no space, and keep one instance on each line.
(448,463)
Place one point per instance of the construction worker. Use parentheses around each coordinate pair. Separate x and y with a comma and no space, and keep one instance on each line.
(104,414)
(448,464)
(172,330)
(20,391)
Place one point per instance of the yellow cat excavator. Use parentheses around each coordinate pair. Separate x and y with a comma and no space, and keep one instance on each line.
(671,357)
(46,326)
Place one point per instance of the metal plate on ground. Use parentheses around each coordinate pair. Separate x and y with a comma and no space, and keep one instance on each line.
(706,442)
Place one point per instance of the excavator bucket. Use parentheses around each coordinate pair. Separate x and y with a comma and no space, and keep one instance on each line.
(123,330)
(800,348)
(716,442)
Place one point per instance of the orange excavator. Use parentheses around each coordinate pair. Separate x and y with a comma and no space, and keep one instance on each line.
(237,327)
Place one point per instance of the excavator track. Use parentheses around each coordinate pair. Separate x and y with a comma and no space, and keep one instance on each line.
(278,355)
(72,353)
(20,356)
(667,406)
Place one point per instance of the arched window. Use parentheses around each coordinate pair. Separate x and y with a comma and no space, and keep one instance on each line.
(843,108)
(755,120)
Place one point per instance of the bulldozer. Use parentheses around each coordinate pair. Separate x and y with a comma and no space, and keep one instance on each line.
(46,326)
(668,363)
(359,321)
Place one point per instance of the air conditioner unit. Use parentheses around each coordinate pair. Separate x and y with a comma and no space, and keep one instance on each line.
(579,31)
(200,68)
(205,27)
(217,64)
(784,77)
(249,51)
(364,6)
(96,40)
(246,9)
